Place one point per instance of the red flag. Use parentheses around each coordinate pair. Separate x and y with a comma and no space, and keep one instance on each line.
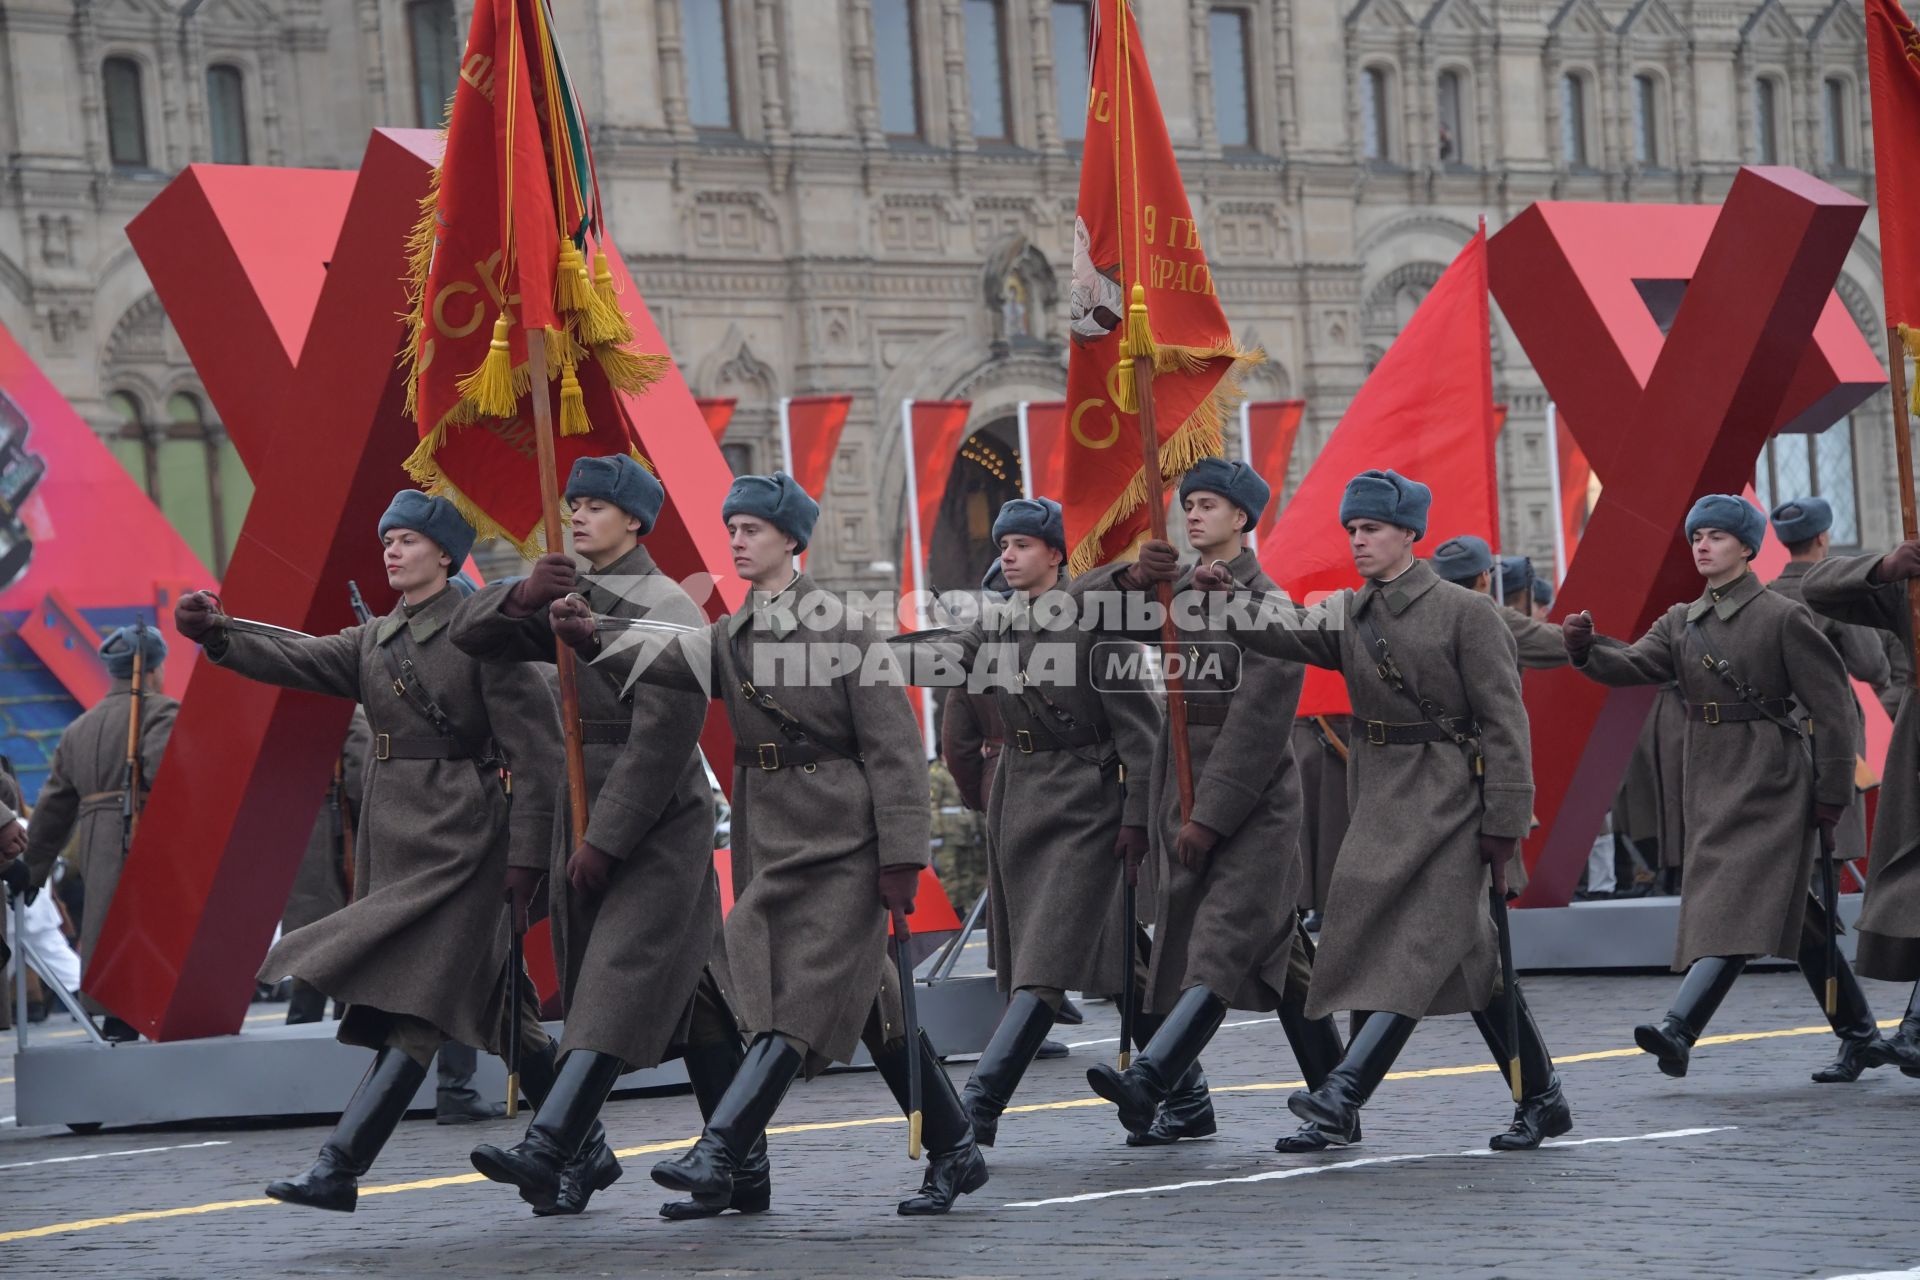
(1268,430)
(810,435)
(1893,69)
(1135,245)
(717,411)
(500,257)
(1043,448)
(1426,411)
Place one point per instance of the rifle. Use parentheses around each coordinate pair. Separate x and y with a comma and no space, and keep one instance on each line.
(361,614)
(337,800)
(130,772)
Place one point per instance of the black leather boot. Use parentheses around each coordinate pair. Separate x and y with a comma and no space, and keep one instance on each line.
(711,1067)
(566,1126)
(1902,1048)
(955,1166)
(1169,1056)
(1851,1019)
(457,1101)
(1701,991)
(1186,1112)
(739,1121)
(371,1116)
(306,1003)
(1004,1061)
(1335,1105)
(1317,1048)
(1542,1111)
(537,1073)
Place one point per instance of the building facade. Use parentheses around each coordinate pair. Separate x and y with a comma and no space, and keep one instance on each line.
(877,196)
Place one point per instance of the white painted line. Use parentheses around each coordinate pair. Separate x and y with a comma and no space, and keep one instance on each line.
(107,1155)
(1879,1275)
(1303,1171)
(6,1119)
(1270,1020)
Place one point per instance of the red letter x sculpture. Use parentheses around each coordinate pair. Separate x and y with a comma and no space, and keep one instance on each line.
(286,287)
(1749,353)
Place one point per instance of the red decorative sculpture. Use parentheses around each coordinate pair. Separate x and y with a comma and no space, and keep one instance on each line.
(1758,344)
(286,287)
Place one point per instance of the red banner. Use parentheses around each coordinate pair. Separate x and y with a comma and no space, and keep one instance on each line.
(1426,411)
(1141,288)
(1893,68)
(1269,429)
(1043,449)
(718,413)
(810,426)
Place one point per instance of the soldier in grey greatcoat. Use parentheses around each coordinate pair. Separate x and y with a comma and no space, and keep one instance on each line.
(83,797)
(1805,526)
(1066,828)
(1226,935)
(420,955)
(1442,786)
(1872,590)
(323,884)
(1760,780)
(635,903)
(831,832)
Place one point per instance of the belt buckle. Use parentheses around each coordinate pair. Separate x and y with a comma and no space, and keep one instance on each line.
(382,747)
(1710,713)
(1023,739)
(1377,732)
(769,756)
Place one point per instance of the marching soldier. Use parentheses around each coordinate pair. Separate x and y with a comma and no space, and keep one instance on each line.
(1469,562)
(830,834)
(1753,668)
(636,904)
(1542,598)
(1062,813)
(1227,934)
(1804,525)
(85,795)
(1871,590)
(420,955)
(1516,585)
(1442,789)
(324,883)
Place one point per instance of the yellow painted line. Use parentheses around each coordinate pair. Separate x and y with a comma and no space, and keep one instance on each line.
(76,1031)
(464,1179)
(6,1079)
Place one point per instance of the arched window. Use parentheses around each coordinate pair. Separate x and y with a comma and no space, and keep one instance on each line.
(987,68)
(132,443)
(1451,96)
(896,61)
(708,49)
(227,114)
(1646,121)
(1836,95)
(1798,465)
(1766,120)
(436,59)
(1072,31)
(1376,114)
(1232,77)
(126,113)
(1573,121)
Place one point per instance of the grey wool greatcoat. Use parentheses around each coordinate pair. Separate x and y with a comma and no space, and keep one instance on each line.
(1539,644)
(81,798)
(1228,926)
(1750,787)
(1054,885)
(426,934)
(1865,659)
(628,961)
(1648,805)
(320,886)
(1323,797)
(807,936)
(1889,925)
(1407,927)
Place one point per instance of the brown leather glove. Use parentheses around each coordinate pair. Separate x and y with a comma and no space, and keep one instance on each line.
(1496,851)
(1158,562)
(195,617)
(589,871)
(524,886)
(1899,564)
(899,886)
(13,841)
(551,577)
(1194,845)
(1827,818)
(1213,577)
(572,624)
(1576,632)
(1130,847)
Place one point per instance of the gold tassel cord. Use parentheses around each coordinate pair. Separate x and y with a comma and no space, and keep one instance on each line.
(1136,343)
(573,406)
(572,286)
(490,387)
(1910,339)
(604,322)
(631,371)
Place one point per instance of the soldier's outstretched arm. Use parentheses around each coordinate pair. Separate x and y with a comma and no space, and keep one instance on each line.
(1271,624)
(1820,686)
(1490,674)
(483,629)
(316,664)
(1652,659)
(526,727)
(1849,588)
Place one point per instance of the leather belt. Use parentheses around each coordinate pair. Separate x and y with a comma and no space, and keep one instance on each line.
(605,733)
(1735,712)
(388,747)
(1382,733)
(771,757)
(1028,741)
(1213,713)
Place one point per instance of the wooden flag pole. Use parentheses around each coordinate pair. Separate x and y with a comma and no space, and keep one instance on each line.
(1903,451)
(1169,637)
(550,522)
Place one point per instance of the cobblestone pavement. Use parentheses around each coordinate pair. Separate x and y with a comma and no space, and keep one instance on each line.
(1744,1169)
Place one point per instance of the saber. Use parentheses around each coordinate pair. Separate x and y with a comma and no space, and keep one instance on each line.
(514,996)
(1497,898)
(1830,903)
(1129,913)
(910,1014)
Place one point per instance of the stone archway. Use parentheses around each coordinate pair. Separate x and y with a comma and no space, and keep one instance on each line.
(985,476)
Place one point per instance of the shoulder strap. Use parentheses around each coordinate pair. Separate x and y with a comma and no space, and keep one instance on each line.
(1058,721)
(1389,671)
(410,686)
(789,725)
(1697,640)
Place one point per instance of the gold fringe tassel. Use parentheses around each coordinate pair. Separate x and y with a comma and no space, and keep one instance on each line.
(572,286)
(1136,343)
(630,371)
(573,406)
(604,322)
(563,351)
(491,386)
